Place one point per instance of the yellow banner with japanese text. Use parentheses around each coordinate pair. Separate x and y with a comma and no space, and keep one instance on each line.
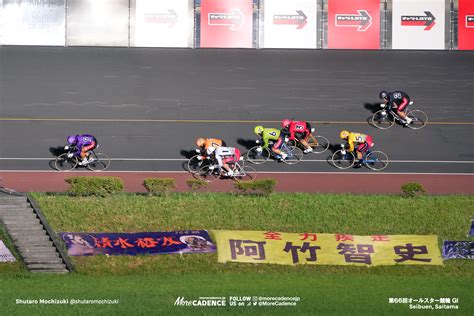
(328,249)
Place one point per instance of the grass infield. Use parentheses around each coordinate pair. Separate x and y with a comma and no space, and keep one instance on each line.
(151,284)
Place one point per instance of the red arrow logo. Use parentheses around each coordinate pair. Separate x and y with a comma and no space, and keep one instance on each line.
(362,21)
(162,18)
(235,19)
(427,20)
(469,20)
(288,19)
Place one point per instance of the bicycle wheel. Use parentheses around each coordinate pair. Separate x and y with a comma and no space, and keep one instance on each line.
(244,173)
(319,144)
(63,163)
(292,143)
(256,157)
(294,155)
(342,160)
(207,174)
(382,119)
(100,161)
(376,160)
(195,164)
(419,119)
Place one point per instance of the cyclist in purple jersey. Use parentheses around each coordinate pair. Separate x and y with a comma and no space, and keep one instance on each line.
(83,144)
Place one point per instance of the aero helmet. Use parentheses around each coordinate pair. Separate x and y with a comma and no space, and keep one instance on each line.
(200,142)
(383,95)
(71,139)
(258,129)
(285,123)
(344,134)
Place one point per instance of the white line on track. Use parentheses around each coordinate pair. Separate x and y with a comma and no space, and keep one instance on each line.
(262,172)
(304,160)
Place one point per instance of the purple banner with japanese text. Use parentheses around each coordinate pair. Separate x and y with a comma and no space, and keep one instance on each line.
(458,249)
(329,249)
(187,241)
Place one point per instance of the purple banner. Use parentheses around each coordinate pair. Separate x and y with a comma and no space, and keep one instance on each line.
(471,233)
(187,241)
(458,249)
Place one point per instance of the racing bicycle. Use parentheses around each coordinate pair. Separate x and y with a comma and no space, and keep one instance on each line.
(258,155)
(212,172)
(319,143)
(386,117)
(194,164)
(99,162)
(375,160)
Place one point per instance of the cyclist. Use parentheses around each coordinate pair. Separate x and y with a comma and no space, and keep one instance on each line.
(271,134)
(226,156)
(398,101)
(363,142)
(207,146)
(83,144)
(298,130)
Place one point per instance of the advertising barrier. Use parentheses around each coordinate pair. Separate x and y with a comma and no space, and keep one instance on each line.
(354,24)
(290,24)
(98,23)
(458,249)
(418,24)
(165,23)
(327,249)
(466,25)
(226,23)
(32,22)
(188,241)
(5,254)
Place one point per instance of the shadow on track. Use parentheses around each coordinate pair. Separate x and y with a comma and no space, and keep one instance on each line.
(372,107)
(247,143)
(56,151)
(187,154)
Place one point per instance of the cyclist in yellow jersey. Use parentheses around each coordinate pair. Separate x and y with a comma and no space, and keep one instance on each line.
(362,141)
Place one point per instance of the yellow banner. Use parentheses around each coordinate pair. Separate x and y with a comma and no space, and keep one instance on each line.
(331,249)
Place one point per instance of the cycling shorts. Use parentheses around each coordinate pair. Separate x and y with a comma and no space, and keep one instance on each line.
(366,145)
(89,147)
(278,143)
(232,159)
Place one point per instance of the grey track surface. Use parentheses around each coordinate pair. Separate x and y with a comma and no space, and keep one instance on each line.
(266,85)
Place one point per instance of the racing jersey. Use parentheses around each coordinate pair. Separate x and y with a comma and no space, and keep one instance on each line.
(212,142)
(222,152)
(269,134)
(84,141)
(399,99)
(356,138)
(296,127)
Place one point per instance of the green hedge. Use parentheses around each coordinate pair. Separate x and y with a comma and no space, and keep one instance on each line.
(255,187)
(159,185)
(413,189)
(196,184)
(97,186)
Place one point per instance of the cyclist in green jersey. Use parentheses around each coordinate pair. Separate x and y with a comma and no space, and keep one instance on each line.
(271,134)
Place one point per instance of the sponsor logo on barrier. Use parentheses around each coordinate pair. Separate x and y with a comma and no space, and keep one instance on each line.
(235,19)
(362,21)
(469,20)
(299,19)
(170,18)
(427,20)
(201,302)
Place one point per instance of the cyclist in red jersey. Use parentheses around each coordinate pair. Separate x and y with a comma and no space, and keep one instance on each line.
(299,130)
